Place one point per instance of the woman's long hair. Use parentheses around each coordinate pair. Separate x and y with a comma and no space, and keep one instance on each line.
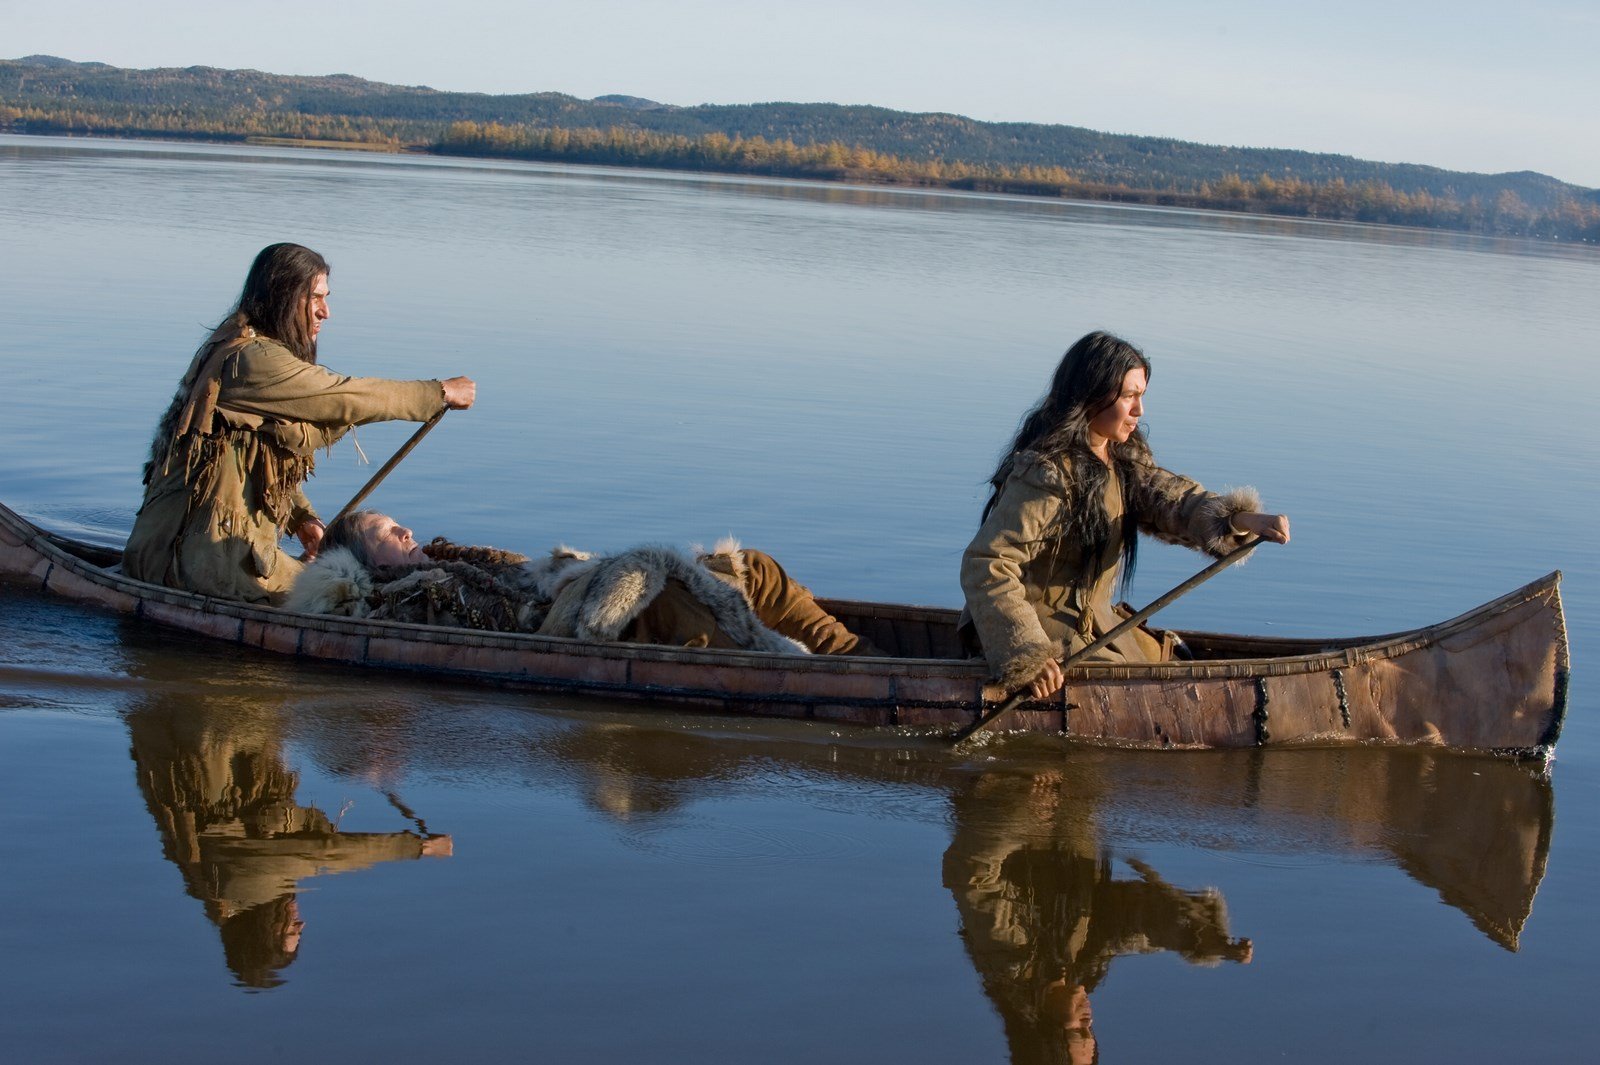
(274,301)
(1086,382)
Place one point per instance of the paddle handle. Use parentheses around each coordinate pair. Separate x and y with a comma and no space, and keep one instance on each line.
(1018,697)
(377,478)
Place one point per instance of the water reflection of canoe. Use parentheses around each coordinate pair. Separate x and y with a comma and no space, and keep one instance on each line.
(1494,678)
(1475,830)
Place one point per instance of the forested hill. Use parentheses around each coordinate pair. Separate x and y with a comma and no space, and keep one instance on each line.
(46,94)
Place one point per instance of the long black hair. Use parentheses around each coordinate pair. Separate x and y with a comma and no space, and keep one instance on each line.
(1086,381)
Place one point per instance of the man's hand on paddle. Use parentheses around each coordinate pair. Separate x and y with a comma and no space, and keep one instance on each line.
(459,392)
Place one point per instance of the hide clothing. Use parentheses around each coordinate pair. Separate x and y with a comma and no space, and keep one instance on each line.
(1032,595)
(224,481)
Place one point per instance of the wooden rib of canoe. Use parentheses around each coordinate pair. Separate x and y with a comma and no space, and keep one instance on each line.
(1493,679)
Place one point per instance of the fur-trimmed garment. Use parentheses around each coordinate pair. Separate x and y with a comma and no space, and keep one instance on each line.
(1019,572)
(729,597)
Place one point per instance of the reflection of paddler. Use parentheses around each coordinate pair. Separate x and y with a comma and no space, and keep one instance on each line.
(1043,913)
(223,800)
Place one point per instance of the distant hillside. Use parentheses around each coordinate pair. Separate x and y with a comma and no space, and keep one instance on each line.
(48,94)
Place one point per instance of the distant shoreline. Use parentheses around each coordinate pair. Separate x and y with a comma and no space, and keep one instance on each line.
(1372,203)
(857,144)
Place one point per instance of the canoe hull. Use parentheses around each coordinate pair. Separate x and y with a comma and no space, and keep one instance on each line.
(1492,679)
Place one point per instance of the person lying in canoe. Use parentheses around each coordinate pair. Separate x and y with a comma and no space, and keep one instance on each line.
(370,566)
(223,481)
(1067,502)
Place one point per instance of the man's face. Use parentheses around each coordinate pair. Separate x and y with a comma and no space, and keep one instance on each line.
(316,306)
(389,543)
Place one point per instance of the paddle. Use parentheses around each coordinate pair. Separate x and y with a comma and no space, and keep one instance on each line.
(1018,697)
(377,478)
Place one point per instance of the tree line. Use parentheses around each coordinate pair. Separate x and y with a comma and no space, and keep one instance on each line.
(1367,201)
(1563,217)
(232,124)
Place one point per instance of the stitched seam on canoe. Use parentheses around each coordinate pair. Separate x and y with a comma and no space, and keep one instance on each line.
(1260,715)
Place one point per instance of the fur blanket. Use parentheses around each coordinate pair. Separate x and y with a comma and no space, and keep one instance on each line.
(334,584)
(455,591)
(599,597)
(565,593)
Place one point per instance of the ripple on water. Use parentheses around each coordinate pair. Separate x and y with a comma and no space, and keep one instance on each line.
(699,839)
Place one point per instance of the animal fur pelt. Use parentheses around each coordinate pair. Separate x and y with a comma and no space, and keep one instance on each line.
(610,592)
(450,591)
(587,596)
(548,575)
(725,561)
(335,584)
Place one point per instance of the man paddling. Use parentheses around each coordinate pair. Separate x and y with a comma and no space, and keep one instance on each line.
(224,476)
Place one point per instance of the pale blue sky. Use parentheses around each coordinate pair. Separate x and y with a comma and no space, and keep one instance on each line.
(1460,84)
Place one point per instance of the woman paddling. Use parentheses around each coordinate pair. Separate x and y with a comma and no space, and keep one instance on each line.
(1075,488)
(223,482)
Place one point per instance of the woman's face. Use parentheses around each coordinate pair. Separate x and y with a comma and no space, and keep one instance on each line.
(1118,421)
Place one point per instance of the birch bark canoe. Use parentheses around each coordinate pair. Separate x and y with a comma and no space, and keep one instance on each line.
(1493,679)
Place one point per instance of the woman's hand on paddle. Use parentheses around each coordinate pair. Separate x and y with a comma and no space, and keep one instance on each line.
(1048,681)
(459,392)
(310,536)
(1272,527)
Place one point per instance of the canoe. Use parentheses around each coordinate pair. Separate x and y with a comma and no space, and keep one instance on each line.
(1494,679)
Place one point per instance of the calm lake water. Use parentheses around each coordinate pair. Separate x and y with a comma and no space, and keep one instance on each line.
(828,373)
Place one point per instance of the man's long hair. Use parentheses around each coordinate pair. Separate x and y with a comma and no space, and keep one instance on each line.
(346,532)
(1086,382)
(275,301)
